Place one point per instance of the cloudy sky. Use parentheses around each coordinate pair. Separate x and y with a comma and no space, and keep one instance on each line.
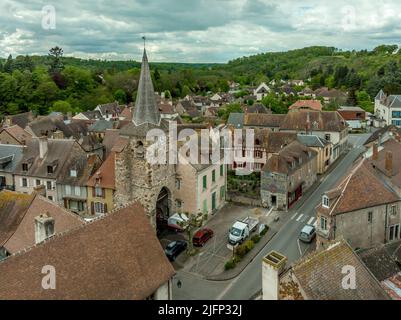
(193,30)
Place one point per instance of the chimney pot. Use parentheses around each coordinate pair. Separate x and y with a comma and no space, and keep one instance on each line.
(389,163)
(272,266)
(375,155)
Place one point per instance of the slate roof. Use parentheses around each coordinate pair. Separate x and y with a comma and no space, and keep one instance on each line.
(141,130)
(276,141)
(236,120)
(110,138)
(20,211)
(101,126)
(10,156)
(18,133)
(114,257)
(320,275)
(92,114)
(146,108)
(84,165)
(256,108)
(381,132)
(112,108)
(312,141)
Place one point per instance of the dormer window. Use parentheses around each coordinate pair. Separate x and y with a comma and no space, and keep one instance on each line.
(25,167)
(73,173)
(325,202)
(49,169)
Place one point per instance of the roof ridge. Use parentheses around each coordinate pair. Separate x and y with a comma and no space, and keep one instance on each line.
(63,233)
(62,208)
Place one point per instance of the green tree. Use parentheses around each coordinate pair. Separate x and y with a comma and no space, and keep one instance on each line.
(120,96)
(62,106)
(55,55)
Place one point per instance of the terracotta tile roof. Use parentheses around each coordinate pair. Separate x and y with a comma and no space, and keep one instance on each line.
(110,139)
(320,275)
(361,188)
(24,234)
(12,210)
(394,147)
(263,120)
(18,134)
(320,121)
(166,108)
(276,141)
(282,162)
(105,174)
(127,113)
(114,257)
(307,104)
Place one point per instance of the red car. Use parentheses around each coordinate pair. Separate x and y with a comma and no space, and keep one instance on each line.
(201,237)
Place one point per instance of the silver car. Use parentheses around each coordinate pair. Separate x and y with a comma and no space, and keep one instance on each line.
(308,233)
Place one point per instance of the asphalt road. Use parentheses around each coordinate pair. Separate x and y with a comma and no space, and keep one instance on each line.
(285,241)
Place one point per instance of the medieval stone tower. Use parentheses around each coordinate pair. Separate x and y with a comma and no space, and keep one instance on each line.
(137,179)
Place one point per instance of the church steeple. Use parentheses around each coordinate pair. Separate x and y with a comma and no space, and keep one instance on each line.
(146,108)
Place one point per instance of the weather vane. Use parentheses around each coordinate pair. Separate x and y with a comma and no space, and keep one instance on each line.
(144,42)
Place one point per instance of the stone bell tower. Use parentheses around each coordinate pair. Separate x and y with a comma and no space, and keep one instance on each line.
(136,178)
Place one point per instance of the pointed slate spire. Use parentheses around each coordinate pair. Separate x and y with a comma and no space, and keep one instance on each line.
(146,108)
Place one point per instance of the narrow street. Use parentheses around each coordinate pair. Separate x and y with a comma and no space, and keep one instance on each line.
(285,241)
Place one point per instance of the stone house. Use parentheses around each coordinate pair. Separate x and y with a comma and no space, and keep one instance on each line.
(363,208)
(10,156)
(101,186)
(388,108)
(14,135)
(287,175)
(116,257)
(323,149)
(41,164)
(319,276)
(327,125)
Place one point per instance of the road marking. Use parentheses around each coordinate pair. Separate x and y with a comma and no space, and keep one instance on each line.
(311,220)
(299,248)
(315,224)
(300,217)
(268,213)
(294,215)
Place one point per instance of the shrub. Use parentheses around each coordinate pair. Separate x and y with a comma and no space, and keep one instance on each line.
(230,264)
(256,238)
(264,231)
(241,251)
(249,245)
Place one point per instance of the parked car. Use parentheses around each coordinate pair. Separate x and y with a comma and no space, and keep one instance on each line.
(201,237)
(177,222)
(242,229)
(308,233)
(174,248)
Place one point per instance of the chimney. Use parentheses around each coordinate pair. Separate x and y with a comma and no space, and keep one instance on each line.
(275,160)
(375,155)
(308,125)
(272,266)
(389,163)
(43,144)
(44,227)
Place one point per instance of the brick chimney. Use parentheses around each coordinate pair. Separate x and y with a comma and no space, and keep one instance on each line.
(272,266)
(375,155)
(44,227)
(43,146)
(389,163)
